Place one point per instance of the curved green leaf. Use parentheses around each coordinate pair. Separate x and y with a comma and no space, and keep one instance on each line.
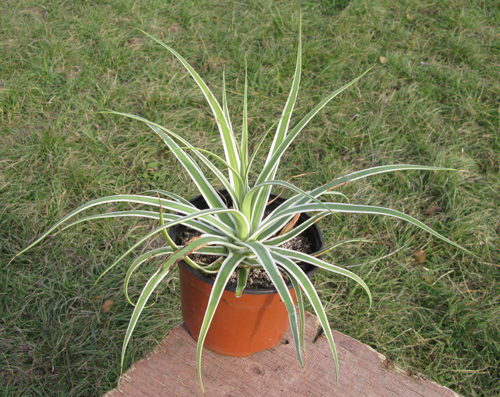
(153,282)
(194,171)
(373,171)
(301,257)
(228,139)
(241,280)
(338,244)
(154,201)
(300,305)
(212,198)
(265,259)
(139,261)
(293,270)
(280,239)
(200,214)
(244,131)
(227,268)
(272,162)
(368,209)
(146,214)
(174,196)
(268,171)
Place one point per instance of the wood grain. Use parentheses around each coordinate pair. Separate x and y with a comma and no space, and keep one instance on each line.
(170,370)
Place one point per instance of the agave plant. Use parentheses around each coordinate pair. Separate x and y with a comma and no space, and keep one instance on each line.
(240,234)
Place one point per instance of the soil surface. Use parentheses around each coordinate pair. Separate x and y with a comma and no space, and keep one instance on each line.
(258,278)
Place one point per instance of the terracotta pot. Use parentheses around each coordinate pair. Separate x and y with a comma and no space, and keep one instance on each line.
(241,326)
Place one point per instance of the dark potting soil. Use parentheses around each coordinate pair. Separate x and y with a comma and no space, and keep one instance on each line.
(257,278)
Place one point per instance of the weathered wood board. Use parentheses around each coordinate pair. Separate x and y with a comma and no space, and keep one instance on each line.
(170,371)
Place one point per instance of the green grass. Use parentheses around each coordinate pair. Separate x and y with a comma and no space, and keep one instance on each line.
(434,101)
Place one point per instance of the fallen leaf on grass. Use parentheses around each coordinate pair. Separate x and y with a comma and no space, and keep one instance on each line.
(420,256)
(107,305)
(433,210)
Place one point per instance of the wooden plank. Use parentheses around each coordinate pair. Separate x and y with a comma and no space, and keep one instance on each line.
(170,370)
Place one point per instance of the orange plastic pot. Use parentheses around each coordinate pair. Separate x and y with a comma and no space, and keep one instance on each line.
(241,326)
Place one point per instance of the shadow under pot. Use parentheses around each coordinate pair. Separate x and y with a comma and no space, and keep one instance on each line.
(241,326)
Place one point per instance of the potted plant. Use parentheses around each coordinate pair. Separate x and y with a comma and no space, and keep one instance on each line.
(250,317)
(242,227)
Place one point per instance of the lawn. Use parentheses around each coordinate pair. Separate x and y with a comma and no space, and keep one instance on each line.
(432,98)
